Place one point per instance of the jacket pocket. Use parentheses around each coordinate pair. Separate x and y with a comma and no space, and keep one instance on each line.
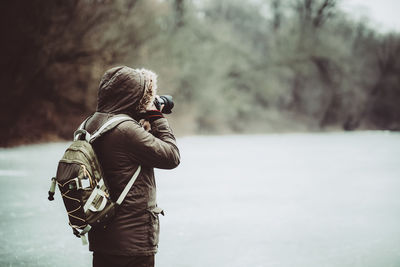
(154,225)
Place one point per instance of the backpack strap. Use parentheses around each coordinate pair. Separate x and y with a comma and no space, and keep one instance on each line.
(108,125)
(81,130)
(128,186)
(83,124)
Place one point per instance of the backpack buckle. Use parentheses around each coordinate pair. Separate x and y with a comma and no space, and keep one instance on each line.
(75,184)
(80,133)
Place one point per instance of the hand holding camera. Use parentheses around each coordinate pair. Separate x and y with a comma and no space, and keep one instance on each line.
(161,104)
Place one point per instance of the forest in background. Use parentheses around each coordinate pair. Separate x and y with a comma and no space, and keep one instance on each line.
(232,66)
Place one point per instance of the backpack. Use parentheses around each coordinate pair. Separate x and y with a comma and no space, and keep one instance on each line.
(80,180)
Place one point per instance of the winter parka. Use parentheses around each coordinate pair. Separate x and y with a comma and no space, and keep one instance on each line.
(134,230)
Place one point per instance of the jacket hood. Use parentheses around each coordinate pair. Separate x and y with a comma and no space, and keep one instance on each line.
(126,90)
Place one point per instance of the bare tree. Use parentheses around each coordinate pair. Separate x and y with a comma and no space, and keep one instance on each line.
(179,6)
(315,12)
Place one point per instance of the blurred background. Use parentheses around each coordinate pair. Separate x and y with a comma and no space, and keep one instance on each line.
(286,114)
(232,66)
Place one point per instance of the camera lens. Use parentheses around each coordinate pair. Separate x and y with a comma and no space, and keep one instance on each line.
(165,100)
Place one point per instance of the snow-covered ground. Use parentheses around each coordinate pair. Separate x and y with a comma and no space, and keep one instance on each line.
(284,200)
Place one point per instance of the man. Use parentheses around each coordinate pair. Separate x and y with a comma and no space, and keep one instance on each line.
(131,238)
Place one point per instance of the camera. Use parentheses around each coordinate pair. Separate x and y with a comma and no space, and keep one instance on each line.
(165,100)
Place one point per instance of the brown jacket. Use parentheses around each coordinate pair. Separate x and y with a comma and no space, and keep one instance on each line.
(135,228)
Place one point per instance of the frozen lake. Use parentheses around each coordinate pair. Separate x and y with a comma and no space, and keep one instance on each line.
(282,200)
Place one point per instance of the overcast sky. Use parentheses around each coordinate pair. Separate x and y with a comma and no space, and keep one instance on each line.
(384,14)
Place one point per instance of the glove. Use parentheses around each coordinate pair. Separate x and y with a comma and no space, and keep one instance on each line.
(153,115)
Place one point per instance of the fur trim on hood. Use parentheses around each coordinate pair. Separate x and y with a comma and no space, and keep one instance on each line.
(126,90)
(150,90)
